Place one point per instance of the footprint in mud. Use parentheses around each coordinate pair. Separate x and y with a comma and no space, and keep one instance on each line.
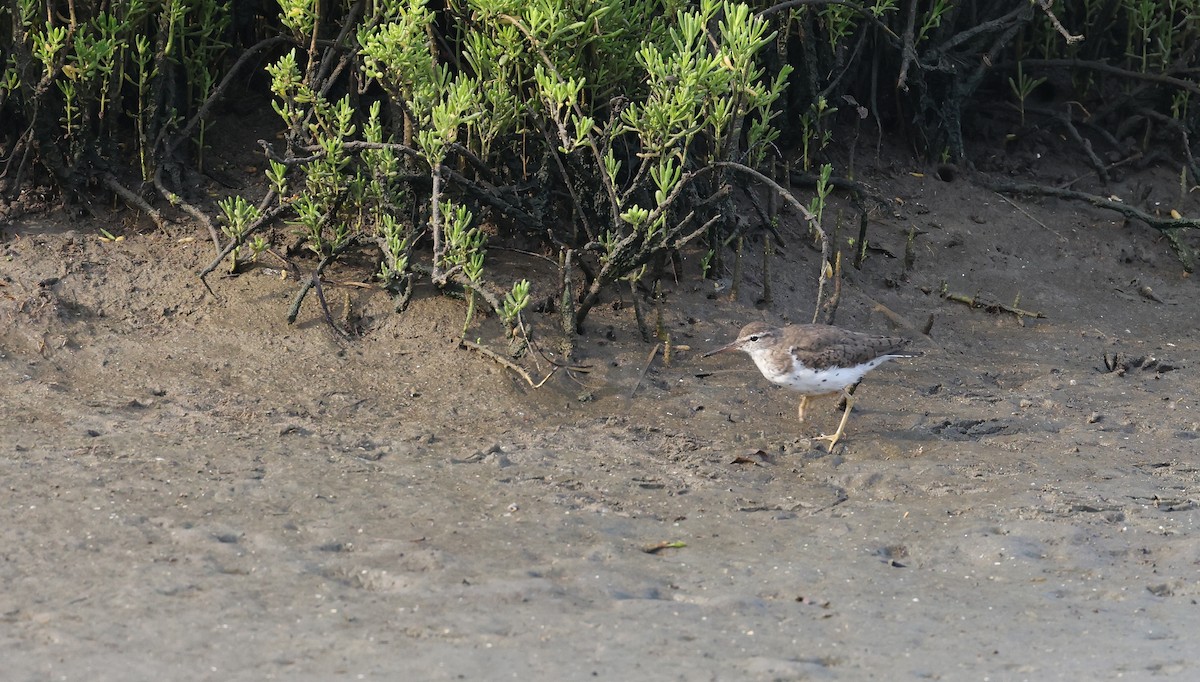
(972,429)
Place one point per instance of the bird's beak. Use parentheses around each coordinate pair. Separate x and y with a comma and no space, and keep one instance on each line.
(722,349)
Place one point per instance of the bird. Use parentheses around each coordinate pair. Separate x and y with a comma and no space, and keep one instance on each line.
(816,359)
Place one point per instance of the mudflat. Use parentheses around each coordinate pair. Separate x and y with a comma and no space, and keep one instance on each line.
(195,490)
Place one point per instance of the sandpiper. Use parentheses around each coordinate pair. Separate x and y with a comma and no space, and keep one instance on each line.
(816,359)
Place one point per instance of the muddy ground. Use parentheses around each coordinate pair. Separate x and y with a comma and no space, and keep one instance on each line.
(195,490)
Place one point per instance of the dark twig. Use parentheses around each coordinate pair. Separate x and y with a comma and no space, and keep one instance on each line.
(218,92)
(858,188)
(315,281)
(1186,143)
(858,9)
(1086,145)
(178,201)
(354,146)
(1160,224)
(1189,85)
(1171,228)
(136,201)
(185,134)
(831,305)
(316,285)
(908,52)
(826,244)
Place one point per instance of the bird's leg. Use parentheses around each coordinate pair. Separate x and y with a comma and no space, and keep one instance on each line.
(841,426)
(803,401)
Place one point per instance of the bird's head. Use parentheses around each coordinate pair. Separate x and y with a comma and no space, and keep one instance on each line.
(754,335)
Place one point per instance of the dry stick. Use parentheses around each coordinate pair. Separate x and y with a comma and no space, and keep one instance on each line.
(637,311)
(455,276)
(736,285)
(645,368)
(831,305)
(50,155)
(313,62)
(566,303)
(629,254)
(1071,39)
(323,76)
(520,327)
(908,52)
(514,367)
(851,62)
(435,223)
(1027,215)
(766,213)
(695,233)
(767,296)
(894,317)
(991,306)
(1088,119)
(477,163)
(22,149)
(576,204)
(538,352)
(355,145)
(1169,227)
(858,188)
(860,253)
(660,331)
(491,195)
(994,25)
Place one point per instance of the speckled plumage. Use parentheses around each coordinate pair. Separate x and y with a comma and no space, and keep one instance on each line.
(815,359)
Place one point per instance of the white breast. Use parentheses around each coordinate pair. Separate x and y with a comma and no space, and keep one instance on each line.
(814,382)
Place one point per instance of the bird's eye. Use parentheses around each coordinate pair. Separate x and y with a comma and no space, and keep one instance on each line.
(754,337)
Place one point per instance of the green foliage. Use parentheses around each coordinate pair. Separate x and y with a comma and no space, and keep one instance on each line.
(815,133)
(239,215)
(300,17)
(824,189)
(933,19)
(515,301)
(695,84)
(608,128)
(464,244)
(1022,87)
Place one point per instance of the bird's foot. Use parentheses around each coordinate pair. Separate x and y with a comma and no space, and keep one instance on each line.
(833,440)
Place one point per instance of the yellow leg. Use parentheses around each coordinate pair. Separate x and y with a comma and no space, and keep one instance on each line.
(803,401)
(841,426)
